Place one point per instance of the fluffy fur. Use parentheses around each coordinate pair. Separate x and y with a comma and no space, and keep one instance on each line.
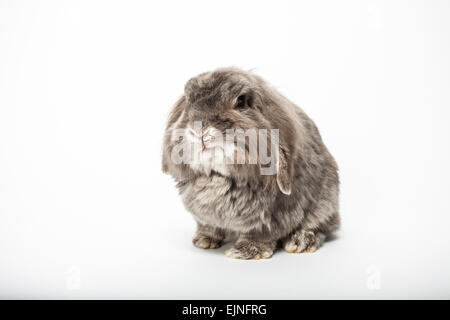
(297,207)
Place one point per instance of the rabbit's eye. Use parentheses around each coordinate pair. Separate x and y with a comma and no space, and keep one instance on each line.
(242,101)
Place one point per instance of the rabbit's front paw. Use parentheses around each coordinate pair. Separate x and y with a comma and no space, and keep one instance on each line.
(304,242)
(205,242)
(246,249)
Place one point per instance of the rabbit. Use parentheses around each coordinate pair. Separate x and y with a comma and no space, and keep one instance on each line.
(296,206)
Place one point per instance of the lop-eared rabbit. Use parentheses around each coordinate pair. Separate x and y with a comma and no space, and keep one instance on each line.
(273,183)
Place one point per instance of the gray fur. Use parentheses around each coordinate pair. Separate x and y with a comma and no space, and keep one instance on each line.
(297,207)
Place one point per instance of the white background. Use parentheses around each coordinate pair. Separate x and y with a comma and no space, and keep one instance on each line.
(85,90)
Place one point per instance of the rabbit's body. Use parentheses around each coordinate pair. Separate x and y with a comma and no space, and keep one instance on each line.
(221,202)
(297,206)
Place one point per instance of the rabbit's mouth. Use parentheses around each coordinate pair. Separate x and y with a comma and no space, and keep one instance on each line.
(209,149)
(214,153)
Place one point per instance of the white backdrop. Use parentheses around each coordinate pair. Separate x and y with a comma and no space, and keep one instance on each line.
(85,90)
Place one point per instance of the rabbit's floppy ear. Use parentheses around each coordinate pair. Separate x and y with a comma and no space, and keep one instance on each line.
(285,169)
(282,118)
(174,116)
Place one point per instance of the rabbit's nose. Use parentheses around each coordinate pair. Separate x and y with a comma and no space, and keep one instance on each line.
(206,135)
(208,138)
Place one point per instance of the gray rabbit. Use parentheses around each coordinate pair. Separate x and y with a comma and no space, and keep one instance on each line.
(228,187)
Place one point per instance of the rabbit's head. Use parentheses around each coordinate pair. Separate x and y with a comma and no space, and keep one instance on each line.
(230,121)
